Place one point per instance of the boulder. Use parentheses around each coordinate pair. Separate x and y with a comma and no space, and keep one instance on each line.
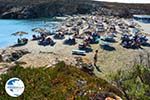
(19,13)
(6,15)
(11,55)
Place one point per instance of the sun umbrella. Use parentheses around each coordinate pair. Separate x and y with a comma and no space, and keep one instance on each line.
(40,30)
(87,31)
(20,33)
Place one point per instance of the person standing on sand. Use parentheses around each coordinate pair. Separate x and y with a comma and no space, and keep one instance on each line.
(95,58)
(95,61)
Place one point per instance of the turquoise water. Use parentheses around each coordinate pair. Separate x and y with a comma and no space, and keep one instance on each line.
(7,27)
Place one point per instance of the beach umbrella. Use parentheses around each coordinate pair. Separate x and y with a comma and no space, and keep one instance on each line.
(20,33)
(40,30)
(48,37)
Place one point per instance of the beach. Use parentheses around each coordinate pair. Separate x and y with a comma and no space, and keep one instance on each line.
(108,61)
(74,50)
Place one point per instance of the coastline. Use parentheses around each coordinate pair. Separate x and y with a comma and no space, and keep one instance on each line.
(76,49)
(47,56)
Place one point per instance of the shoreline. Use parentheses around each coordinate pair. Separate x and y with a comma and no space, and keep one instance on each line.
(47,56)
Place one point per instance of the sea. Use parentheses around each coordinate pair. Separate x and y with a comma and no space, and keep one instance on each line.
(8,27)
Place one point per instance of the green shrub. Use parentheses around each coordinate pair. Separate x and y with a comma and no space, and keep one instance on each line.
(57,83)
(134,83)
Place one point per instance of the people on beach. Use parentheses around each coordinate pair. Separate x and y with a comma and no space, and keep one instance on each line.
(133,41)
(36,37)
(95,60)
(22,41)
(95,57)
(19,40)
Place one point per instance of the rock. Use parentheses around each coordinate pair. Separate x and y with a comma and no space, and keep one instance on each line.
(34,9)
(4,67)
(10,55)
(104,96)
(19,13)
(143,58)
(6,15)
(81,83)
(89,68)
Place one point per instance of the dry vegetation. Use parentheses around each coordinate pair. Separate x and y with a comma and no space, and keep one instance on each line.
(59,83)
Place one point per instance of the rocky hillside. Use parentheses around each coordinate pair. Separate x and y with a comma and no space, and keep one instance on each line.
(23,9)
(47,8)
(124,10)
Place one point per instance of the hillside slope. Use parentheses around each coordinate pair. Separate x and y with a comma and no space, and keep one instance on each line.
(23,9)
(60,83)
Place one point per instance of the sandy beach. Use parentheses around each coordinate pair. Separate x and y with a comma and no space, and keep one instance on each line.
(108,61)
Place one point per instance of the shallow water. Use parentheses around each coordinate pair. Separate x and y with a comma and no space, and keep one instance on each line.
(7,27)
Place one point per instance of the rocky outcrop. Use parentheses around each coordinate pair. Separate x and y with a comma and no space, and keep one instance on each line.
(19,13)
(25,9)
(123,10)
(11,55)
(50,9)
